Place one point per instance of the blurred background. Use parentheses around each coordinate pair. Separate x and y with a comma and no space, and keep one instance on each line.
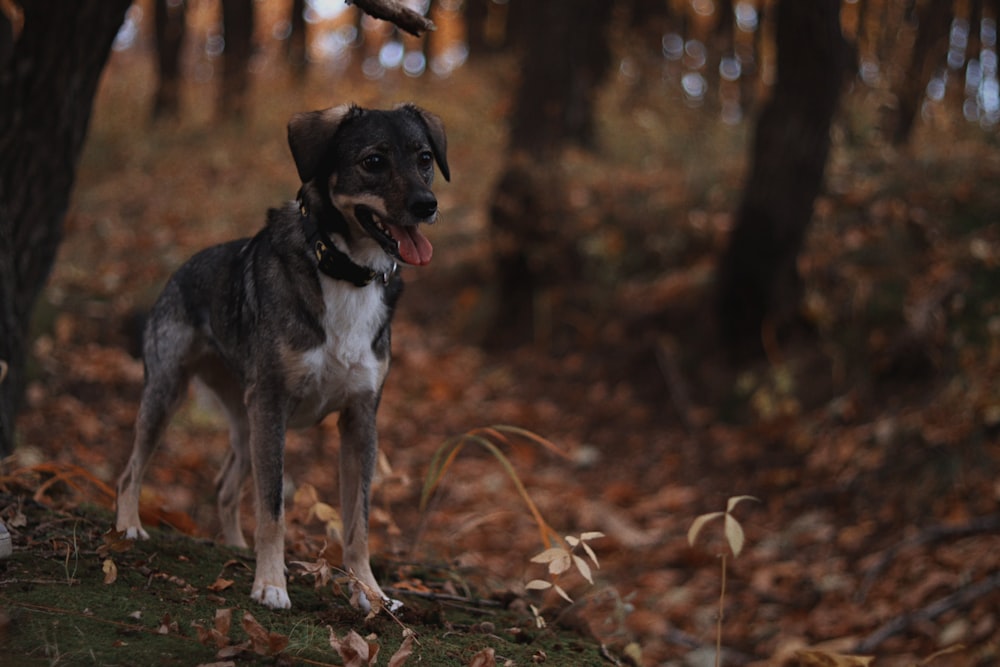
(705,247)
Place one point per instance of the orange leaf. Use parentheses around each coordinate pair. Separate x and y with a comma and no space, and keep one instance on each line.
(220,585)
(110,571)
(484,658)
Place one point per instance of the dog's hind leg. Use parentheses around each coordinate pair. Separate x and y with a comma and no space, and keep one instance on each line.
(267,445)
(236,468)
(164,388)
(358,451)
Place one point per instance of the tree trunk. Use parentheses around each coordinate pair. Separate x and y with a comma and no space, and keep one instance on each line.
(297,51)
(933,24)
(563,63)
(47,87)
(170,28)
(237,27)
(758,278)
(476,13)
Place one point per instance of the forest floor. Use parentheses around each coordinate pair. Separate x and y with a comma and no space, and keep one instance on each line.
(870,441)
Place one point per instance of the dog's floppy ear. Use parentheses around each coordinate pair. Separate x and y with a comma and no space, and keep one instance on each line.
(435,133)
(310,134)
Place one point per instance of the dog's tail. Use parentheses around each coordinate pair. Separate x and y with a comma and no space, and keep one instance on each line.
(133,327)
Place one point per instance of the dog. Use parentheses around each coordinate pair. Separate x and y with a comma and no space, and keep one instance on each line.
(293,324)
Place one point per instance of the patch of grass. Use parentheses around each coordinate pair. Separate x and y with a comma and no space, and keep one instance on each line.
(56,609)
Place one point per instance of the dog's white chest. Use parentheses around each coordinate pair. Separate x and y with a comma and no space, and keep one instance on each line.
(345,363)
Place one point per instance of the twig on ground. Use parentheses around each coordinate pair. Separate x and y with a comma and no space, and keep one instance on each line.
(666,357)
(40,582)
(963,597)
(445,597)
(984,524)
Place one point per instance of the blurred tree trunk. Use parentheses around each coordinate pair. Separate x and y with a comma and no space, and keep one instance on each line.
(521,14)
(237,27)
(564,61)
(721,44)
(170,28)
(933,24)
(476,14)
(47,87)
(758,277)
(297,52)
(8,15)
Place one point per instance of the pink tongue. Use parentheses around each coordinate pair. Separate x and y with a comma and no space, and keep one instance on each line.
(414,247)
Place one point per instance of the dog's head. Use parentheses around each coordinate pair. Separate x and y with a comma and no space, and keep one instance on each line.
(376,168)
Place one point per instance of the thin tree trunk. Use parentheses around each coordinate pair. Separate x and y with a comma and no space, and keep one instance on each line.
(476,13)
(47,88)
(297,49)
(237,27)
(564,61)
(170,28)
(758,276)
(934,21)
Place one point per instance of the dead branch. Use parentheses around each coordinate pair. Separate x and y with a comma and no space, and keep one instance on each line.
(666,357)
(445,597)
(961,598)
(977,526)
(393,11)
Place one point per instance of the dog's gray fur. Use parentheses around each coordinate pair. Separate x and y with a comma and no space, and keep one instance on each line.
(274,328)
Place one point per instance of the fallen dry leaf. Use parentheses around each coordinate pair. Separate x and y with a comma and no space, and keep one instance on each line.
(110,571)
(354,650)
(484,658)
(262,641)
(220,585)
(404,651)
(814,658)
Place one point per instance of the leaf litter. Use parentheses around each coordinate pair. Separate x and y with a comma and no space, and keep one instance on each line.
(872,447)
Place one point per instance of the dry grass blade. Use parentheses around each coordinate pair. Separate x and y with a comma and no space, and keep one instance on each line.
(446,454)
(533,437)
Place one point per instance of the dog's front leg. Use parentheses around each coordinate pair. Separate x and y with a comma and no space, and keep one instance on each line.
(358,451)
(267,445)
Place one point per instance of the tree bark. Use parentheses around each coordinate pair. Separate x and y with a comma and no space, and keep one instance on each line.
(758,277)
(47,87)
(933,24)
(563,64)
(297,51)
(237,28)
(170,28)
(476,13)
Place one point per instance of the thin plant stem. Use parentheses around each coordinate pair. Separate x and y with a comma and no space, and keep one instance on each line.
(718,632)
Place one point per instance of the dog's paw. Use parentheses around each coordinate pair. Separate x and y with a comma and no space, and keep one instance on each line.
(389,604)
(272,597)
(135,533)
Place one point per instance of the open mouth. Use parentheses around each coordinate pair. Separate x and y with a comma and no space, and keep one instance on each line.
(404,242)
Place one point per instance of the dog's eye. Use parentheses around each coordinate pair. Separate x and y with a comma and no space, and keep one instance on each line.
(425,159)
(374,163)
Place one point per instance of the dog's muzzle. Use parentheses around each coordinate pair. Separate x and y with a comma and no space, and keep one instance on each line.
(406,243)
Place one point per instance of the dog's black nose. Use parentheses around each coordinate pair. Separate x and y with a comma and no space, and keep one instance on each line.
(424,205)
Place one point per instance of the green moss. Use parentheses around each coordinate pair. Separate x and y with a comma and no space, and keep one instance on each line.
(59,610)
